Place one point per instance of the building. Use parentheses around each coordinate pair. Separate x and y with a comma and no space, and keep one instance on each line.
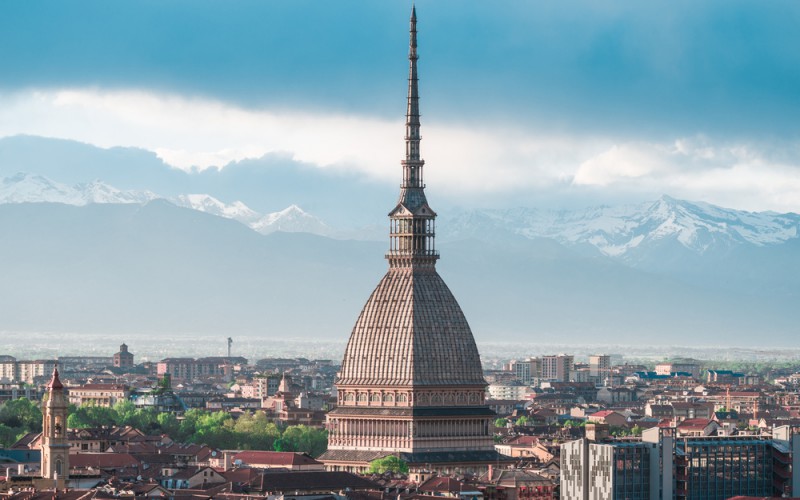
(266,385)
(676,367)
(98,394)
(123,359)
(188,369)
(411,382)
(599,367)
(8,369)
(80,363)
(272,460)
(528,371)
(55,447)
(517,484)
(557,368)
(10,392)
(27,371)
(664,465)
(515,392)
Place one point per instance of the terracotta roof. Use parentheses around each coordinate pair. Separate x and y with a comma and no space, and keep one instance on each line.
(243,475)
(55,383)
(313,480)
(102,460)
(276,458)
(512,478)
(695,423)
(101,387)
(49,495)
(25,441)
(524,440)
(442,485)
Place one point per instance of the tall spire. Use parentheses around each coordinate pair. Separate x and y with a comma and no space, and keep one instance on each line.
(55,382)
(412,166)
(412,220)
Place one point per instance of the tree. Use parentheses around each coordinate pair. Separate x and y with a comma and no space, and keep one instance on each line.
(388,463)
(304,439)
(86,416)
(523,420)
(255,432)
(8,435)
(168,423)
(500,422)
(139,418)
(21,413)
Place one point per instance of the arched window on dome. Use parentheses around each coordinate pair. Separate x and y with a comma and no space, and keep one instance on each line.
(402,398)
(436,400)
(350,397)
(461,399)
(388,398)
(362,398)
(375,398)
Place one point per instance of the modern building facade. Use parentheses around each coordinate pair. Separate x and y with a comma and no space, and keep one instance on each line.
(411,382)
(528,371)
(181,369)
(557,368)
(599,367)
(663,465)
(27,371)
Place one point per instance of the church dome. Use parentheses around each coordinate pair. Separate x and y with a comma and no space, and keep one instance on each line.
(411,332)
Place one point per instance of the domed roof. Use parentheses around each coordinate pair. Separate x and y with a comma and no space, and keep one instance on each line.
(411,332)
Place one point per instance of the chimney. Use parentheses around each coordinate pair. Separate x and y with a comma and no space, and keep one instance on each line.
(596,432)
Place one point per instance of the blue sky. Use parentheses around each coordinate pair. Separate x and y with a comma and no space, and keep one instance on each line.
(559,102)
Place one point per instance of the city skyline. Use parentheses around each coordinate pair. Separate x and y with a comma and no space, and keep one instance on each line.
(568,105)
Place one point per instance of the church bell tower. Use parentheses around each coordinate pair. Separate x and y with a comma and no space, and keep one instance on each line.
(55,447)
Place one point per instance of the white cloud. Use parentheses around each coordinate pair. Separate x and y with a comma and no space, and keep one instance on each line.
(729,174)
(198,133)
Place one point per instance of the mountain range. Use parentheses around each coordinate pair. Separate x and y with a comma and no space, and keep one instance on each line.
(83,254)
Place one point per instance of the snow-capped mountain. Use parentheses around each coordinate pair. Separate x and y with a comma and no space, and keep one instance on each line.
(623,230)
(628,232)
(32,188)
(208,204)
(292,219)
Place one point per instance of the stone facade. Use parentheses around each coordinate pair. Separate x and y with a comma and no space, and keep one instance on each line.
(55,446)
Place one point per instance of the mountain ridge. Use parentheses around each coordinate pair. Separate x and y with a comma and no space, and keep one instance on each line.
(158,268)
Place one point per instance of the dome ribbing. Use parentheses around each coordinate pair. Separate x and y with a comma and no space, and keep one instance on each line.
(411,332)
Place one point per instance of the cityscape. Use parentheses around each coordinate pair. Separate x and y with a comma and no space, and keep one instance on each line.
(156,342)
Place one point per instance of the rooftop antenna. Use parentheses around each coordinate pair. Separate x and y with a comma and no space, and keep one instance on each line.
(230,342)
